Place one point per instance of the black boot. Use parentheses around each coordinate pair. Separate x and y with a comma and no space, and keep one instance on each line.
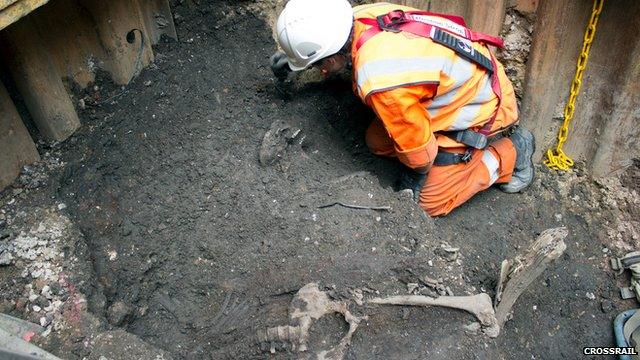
(523,172)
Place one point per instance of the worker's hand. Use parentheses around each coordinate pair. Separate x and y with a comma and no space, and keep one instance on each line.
(412,179)
(280,65)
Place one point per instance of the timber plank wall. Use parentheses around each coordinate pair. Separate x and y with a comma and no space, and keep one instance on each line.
(48,44)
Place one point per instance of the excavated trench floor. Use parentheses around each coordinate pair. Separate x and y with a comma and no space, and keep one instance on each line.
(206,246)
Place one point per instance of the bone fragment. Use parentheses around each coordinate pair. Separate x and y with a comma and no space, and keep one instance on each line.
(504,270)
(289,334)
(527,267)
(309,305)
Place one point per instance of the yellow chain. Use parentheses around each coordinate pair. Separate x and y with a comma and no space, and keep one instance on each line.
(559,160)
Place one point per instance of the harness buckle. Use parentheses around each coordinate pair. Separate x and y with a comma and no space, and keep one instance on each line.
(509,131)
(467,156)
(396,17)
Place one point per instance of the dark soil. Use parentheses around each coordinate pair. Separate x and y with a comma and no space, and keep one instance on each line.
(165,175)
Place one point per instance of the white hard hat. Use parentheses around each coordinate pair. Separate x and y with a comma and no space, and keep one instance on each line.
(309,30)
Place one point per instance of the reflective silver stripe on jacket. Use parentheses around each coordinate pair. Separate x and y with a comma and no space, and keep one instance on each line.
(469,112)
(399,66)
(460,71)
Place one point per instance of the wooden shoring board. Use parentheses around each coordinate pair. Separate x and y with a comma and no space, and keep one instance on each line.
(114,19)
(13,10)
(69,35)
(38,81)
(158,19)
(17,147)
(6,3)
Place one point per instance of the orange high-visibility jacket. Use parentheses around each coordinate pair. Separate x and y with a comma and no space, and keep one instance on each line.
(418,87)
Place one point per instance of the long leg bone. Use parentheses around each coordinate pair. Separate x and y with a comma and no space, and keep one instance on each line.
(479,305)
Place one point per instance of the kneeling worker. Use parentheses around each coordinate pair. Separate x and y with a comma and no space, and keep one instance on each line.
(444,105)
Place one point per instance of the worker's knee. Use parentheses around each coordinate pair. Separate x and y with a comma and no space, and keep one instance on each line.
(436,195)
(435,205)
(448,187)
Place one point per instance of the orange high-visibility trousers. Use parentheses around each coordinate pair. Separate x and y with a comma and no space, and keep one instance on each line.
(448,187)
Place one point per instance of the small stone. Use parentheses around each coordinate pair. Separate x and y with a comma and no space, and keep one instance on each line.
(447,252)
(406,193)
(33,297)
(112,255)
(117,313)
(590,296)
(56,289)
(558,217)
(412,288)
(49,308)
(147,83)
(42,301)
(46,292)
(36,308)
(39,284)
(44,321)
(6,258)
(62,206)
(607,306)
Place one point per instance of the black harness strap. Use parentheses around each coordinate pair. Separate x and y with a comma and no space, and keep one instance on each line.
(446,158)
(476,140)
(463,48)
(468,137)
